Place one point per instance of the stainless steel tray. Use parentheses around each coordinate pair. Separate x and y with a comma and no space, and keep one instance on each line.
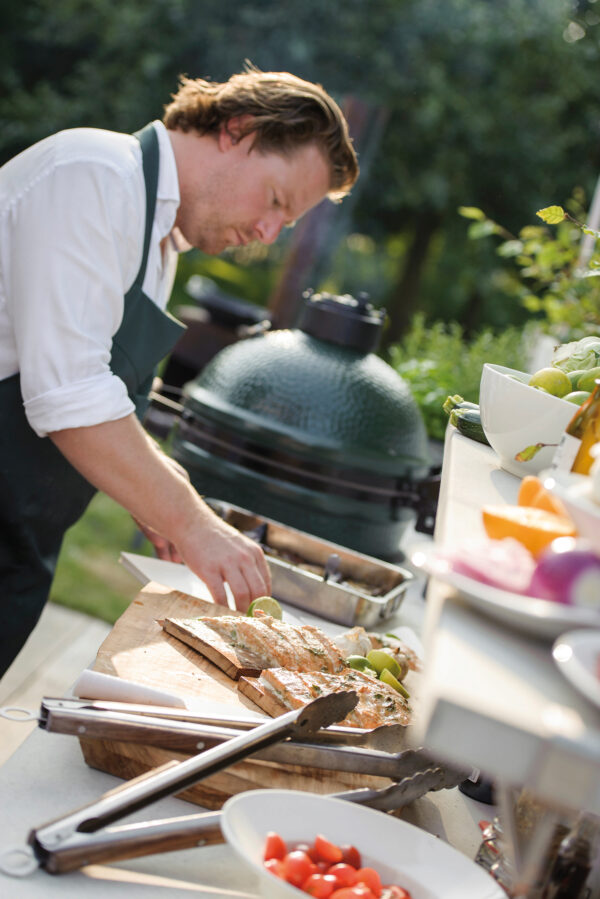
(295,582)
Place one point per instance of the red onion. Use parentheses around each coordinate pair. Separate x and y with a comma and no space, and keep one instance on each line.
(505,564)
(568,572)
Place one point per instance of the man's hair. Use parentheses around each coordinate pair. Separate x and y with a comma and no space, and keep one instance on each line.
(284,112)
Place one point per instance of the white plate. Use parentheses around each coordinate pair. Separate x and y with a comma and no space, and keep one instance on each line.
(400,852)
(577,655)
(538,617)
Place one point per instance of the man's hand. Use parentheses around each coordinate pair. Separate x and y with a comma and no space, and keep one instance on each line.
(119,458)
(223,554)
(163,548)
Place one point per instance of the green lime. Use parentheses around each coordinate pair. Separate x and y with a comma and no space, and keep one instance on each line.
(381,660)
(360,663)
(577,396)
(587,379)
(266,604)
(388,678)
(551,379)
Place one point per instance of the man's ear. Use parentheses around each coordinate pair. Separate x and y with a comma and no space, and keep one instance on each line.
(233,131)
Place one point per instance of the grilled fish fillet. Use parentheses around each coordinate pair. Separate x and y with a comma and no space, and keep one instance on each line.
(377,702)
(279,645)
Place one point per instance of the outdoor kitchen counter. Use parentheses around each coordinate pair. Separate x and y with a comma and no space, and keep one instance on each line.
(47,777)
(492,696)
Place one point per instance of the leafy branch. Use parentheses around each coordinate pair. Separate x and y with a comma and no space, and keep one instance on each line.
(545,271)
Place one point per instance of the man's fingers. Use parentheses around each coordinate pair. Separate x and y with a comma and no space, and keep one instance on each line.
(257,573)
(240,589)
(216,588)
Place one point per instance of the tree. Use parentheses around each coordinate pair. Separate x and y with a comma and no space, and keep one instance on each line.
(488,103)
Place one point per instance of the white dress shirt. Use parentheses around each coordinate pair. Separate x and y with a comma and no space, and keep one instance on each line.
(72,215)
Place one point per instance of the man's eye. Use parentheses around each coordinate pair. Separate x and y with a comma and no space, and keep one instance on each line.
(276,202)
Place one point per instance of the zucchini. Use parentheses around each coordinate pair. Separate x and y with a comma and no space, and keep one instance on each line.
(468,422)
(457,402)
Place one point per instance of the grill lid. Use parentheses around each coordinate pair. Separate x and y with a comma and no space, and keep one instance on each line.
(313,397)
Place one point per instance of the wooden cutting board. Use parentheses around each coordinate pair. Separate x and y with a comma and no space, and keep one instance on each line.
(138,649)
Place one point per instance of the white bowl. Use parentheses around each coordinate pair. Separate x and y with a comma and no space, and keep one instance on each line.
(515,416)
(575,493)
(401,853)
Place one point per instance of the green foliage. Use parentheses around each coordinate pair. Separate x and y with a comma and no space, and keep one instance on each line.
(461,124)
(439,361)
(552,273)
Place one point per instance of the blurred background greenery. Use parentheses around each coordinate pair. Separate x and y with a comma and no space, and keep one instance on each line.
(488,104)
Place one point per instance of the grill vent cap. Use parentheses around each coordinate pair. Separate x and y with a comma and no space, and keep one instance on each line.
(348,321)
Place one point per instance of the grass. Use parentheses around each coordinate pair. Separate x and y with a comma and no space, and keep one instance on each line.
(89,577)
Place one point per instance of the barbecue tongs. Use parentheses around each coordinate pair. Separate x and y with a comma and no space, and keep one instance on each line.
(74,840)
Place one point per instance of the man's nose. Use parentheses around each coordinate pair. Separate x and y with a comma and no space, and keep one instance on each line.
(268,228)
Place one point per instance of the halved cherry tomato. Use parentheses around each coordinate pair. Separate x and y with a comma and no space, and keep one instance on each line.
(351,856)
(326,851)
(275,866)
(371,878)
(359,891)
(321,886)
(274,846)
(344,874)
(297,867)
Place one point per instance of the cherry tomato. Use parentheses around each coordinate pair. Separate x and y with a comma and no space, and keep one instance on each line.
(351,856)
(310,851)
(321,886)
(344,874)
(396,892)
(297,867)
(275,866)
(326,851)
(359,891)
(371,878)
(274,846)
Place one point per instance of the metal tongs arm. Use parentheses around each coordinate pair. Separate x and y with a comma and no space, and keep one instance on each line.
(53,842)
(185,736)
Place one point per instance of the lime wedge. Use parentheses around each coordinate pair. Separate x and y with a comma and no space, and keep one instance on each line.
(388,678)
(266,604)
(360,663)
(382,660)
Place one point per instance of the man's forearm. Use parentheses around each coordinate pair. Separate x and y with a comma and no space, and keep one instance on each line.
(119,458)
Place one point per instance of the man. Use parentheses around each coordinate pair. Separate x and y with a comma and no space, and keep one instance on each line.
(90,226)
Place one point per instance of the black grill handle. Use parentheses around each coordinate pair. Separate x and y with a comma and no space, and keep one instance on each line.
(427,492)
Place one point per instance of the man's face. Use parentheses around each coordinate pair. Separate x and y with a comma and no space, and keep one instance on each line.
(248,195)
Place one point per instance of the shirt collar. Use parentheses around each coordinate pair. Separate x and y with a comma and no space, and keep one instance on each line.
(167,191)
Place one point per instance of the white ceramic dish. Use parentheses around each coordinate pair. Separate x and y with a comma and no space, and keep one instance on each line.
(515,416)
(577,655)
(537,617)
(575,492)
(402,853)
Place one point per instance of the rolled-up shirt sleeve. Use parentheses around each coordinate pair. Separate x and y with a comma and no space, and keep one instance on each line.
(76,238)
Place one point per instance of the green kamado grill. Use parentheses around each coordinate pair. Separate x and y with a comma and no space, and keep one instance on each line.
(311,428)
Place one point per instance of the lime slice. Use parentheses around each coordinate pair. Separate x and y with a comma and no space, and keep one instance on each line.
(388,678)
(266,604)
(382,660)
(360,663)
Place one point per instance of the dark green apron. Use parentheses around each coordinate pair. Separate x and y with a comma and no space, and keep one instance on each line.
(41,494)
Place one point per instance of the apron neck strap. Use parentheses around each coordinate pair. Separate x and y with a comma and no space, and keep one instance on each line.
(149,143)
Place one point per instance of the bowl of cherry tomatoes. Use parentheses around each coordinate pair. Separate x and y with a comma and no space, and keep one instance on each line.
(302,843)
